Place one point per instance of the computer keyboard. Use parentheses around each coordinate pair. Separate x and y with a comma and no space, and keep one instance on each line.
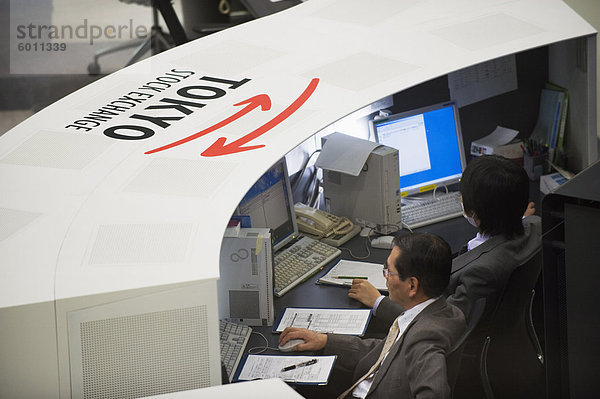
(300,261)
(234,338)
(433,210)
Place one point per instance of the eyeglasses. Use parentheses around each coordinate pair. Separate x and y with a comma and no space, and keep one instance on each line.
(386,271)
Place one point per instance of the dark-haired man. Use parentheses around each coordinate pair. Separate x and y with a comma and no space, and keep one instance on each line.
(411,361)
(495,192)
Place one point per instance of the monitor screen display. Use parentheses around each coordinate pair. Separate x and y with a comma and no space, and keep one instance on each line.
(429,142)
(269,203)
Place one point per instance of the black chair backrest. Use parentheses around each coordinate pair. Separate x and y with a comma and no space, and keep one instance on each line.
(454,355)
(511,310)
(509,366)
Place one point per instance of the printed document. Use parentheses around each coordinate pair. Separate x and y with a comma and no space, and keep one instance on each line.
(271,366)
(338,321)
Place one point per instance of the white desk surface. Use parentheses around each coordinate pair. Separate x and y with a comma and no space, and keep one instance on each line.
(273,388)
(82,213)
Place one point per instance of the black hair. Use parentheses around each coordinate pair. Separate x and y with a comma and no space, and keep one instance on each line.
(497,190)
(428,258)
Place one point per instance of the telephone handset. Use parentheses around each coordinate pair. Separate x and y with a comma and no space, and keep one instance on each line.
(324,226)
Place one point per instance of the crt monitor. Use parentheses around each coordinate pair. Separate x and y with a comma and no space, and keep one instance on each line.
(429,142)
(270,204)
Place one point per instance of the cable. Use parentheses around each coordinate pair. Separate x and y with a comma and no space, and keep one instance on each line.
(406,226)
(398,228)
(224,7)
(344,226)
(309,188)
(356,256)
(302,170)
(436,187)
(260,349)
(368,241)
(313,183)
(314,199)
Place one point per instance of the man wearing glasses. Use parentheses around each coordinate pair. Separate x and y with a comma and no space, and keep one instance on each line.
(411,360)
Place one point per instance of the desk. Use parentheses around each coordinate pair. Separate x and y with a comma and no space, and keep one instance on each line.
(455,231)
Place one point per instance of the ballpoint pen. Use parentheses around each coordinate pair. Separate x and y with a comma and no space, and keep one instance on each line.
(293,320)
(301,364)
(352,277)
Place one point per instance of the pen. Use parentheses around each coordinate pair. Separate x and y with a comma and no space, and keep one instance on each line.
(524,149)
(352,277)
(301,364)
(293,320)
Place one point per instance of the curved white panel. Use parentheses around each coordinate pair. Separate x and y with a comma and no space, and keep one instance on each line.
(268,84)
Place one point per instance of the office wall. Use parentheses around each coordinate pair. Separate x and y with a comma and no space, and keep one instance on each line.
(590,11)
(517,109)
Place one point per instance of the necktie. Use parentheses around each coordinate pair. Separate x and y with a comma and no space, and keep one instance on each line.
(389,341)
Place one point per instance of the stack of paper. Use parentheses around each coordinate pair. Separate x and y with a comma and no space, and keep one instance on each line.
(551,182)
(502,141)
(343,272)
(311,370)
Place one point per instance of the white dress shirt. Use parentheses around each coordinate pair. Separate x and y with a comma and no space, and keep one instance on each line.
(477,241)
(403,321)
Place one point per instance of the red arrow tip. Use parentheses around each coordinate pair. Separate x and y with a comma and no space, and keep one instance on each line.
(261,100)
(220,148)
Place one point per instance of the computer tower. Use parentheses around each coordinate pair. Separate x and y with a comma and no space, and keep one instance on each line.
(245,287)
(373,197)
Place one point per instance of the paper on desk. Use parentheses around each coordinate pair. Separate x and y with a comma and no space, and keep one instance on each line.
(500,136)
(338,321)
(551,182)
(373,272)
(345,154)
(269,366)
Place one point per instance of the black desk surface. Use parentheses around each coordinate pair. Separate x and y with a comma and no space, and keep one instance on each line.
(455,231)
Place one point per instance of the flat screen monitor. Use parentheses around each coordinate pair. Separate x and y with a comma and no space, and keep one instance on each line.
(429,142)
(270,204)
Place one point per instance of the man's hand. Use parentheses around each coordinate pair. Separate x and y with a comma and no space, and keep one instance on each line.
(364,292)
(313,341)
(530,209)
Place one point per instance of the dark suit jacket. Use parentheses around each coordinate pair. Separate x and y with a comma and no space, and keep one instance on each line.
(416,364)
(481,272)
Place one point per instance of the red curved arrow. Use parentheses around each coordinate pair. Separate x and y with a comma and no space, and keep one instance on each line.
(220,148)
(262,100)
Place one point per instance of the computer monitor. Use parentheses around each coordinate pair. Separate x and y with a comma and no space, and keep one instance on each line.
(429,142)
(269,203)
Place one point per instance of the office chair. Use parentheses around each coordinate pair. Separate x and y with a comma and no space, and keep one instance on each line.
(156,41)
(207,18)
(454,355)
(511,361)
(531,330)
